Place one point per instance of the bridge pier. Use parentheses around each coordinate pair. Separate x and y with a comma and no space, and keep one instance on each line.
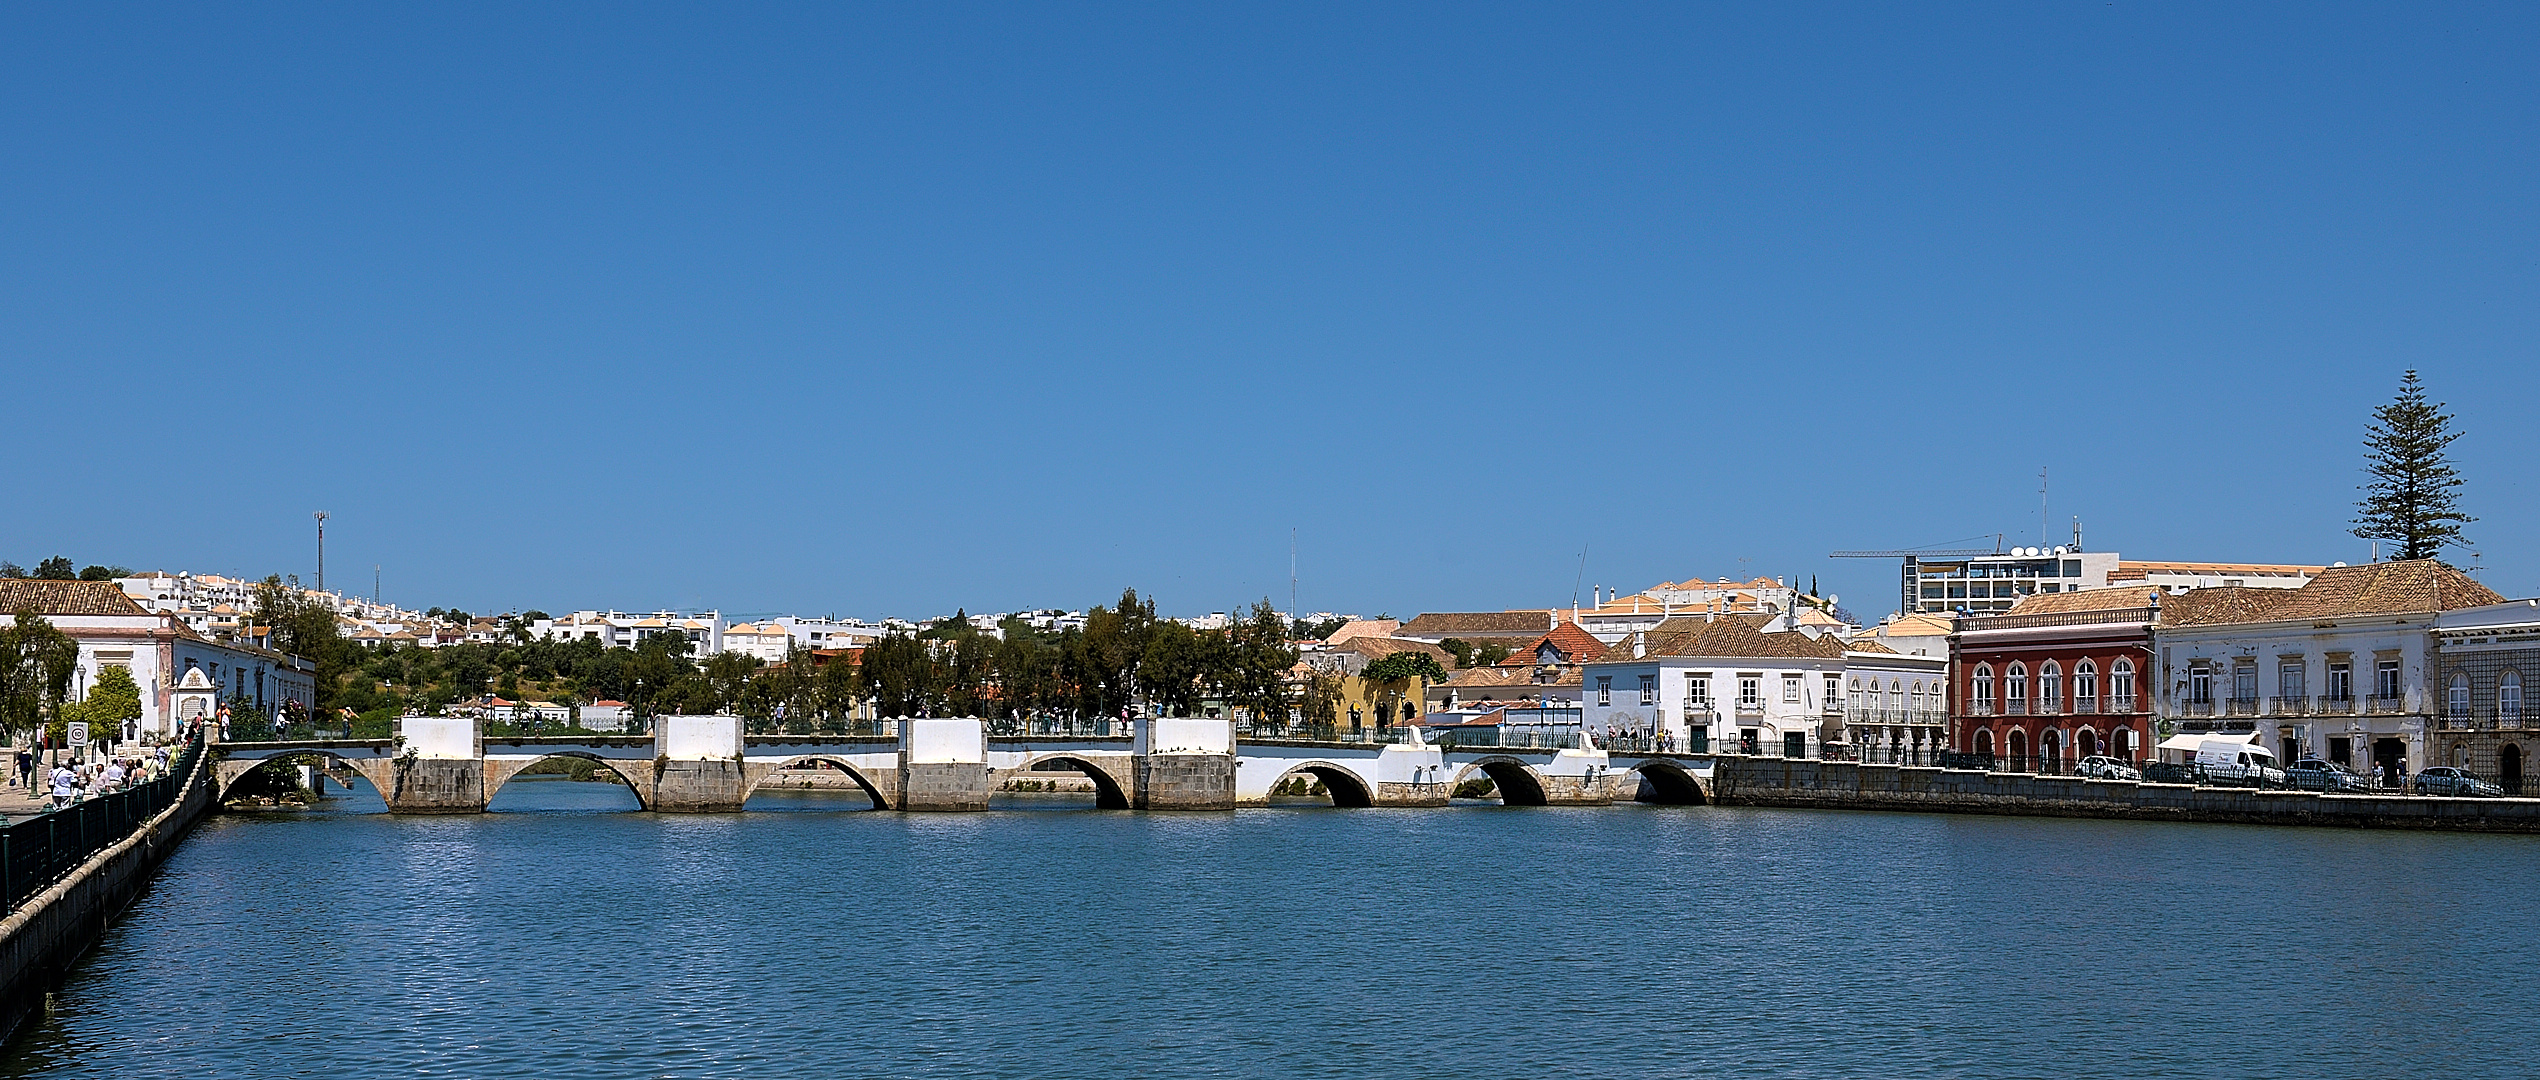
(1183,764)
(697,765)
(439,767)
(1413,774)
(943,765)
(1578,778)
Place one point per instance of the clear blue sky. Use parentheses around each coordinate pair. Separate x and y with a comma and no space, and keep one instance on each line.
(896,309)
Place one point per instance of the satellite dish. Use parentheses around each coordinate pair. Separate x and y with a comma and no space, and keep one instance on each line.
(2059,549)
(1834,599)
(2337,564)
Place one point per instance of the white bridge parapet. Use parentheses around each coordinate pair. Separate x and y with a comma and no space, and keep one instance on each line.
(698,738)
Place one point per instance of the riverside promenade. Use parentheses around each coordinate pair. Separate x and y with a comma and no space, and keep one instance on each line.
(66,875)
(1846,785)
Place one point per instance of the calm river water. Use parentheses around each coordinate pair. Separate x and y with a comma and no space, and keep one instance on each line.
(561,940)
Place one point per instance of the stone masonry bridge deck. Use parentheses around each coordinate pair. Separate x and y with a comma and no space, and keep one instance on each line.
(706,764)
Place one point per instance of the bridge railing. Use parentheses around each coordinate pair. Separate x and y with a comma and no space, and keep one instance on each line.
(35,852)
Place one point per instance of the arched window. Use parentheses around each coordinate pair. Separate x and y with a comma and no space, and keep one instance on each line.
(2085,687)
(2121,685)
(2509,697)
(1984,742)
(1982,690)
(2015,692)
(1856,695)
(2456,703)
(1896,693)
(2050,688)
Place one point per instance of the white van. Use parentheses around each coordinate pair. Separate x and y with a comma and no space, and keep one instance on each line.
(2233,761)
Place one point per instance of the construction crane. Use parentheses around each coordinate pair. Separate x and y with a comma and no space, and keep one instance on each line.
(1929,552)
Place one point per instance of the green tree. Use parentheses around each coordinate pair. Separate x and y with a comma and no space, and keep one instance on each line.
(1259,666)
(56,568)
(655,673)
(114,699)
(104,573)
(1460,649)
(2413,499)
(899,675)
(11,570)
(36,663)
(1390,678)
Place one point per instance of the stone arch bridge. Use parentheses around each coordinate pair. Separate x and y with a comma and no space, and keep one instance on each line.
(705,764)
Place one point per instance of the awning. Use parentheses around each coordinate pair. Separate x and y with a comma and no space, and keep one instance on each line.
(2197,741)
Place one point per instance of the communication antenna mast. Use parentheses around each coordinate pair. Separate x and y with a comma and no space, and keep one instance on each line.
(321,520)
(1291,576)
(2043,539)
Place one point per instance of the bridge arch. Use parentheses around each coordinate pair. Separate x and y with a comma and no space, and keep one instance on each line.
(230,774)
(1348,788)
(1669,783)
(862,782)
(1109,790)
(1519,783)
(499,772)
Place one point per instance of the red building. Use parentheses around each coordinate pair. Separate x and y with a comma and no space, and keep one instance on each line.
(2057,678)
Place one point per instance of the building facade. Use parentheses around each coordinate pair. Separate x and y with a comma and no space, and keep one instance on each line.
(1895,706)
(2338,669)
(2483,658)
(161,652)
(2059,677)
(1721,683)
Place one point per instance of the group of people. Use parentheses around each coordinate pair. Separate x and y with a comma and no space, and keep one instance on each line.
(66,783)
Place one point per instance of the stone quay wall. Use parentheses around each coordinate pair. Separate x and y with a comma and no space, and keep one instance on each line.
(41,940)
(1844,785)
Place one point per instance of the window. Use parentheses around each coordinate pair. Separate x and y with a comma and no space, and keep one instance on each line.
(1698,690)
(1649,689)
(1981,689)
(2072,568)
(1856,694)
(1750,691)
(1832,694)
(1604,690)
(2509,697)
(2085,687)
(2200,686)
(2341,681)
(2244,682)
(2121,685)
(2015,690)
(1790,689)
(2050,688)
(2291,680)
(2385,680)
(2456,701)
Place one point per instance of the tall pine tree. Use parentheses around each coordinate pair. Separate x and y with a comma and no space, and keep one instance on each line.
(2413,500)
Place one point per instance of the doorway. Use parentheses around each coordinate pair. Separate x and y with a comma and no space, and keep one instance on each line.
(2391,757)
(2509,769)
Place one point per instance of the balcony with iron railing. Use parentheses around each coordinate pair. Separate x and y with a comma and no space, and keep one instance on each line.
(2483,719)
(2193,707)
(2015,707)
(2241,706)
(2378,704)
(2329,705)
(2290,706)
(1894,716)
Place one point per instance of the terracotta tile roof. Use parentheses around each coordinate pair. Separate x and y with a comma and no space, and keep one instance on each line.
(1727,636)
(2416,586)
(1376,648)
(1447,624)
(65,598)
(2115,598)
(1486,677)
(1576,646)
(1868,646)
(1363,628)
(2131,570)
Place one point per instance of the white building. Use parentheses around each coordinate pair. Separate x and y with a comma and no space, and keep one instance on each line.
(765,642)
(1718,682)
(159,651)
(1895,705)
(2337,669)
(620,630)
(1996,581)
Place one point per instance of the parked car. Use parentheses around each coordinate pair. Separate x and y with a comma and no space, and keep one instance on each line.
(2446,780)
(2313,774)
(2097,767)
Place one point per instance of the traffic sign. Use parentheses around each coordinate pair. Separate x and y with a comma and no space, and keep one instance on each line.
(79,733)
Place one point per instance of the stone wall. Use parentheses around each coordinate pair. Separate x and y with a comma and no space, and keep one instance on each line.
(1185,782)
(1843,785)
(41,940)
(944,785)
(419,785)
(695,787)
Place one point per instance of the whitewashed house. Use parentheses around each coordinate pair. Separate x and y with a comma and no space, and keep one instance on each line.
(1703,683)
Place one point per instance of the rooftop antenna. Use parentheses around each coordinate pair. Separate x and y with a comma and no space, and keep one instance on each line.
(2042,538)
(321,520)
(1576,581)
(374,584)
(1291,575)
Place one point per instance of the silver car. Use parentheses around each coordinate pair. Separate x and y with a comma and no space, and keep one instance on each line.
(2446,780)
(2313,774)
(2097,767)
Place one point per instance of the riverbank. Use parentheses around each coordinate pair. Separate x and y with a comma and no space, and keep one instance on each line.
(45,936)
(1845,785)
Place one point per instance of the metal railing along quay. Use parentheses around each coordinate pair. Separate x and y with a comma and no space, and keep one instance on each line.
(35,852)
